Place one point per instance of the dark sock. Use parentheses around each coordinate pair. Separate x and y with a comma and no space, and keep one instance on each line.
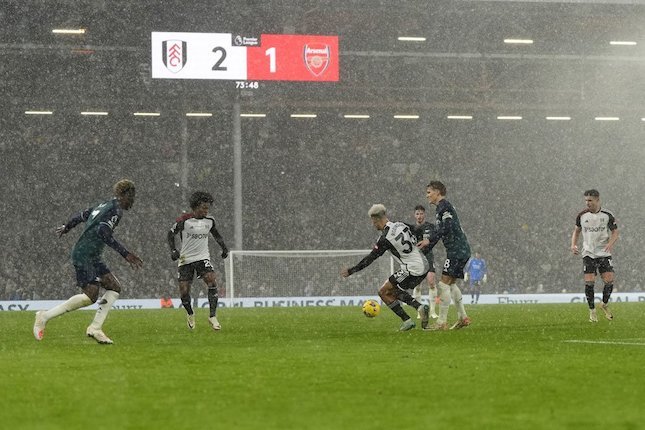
(477,296)
(606,292)
(185,302)
(397,309)
(406,298)
(212,299)
(589,295)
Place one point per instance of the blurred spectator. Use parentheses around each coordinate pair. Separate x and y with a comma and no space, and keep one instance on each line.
(313,178)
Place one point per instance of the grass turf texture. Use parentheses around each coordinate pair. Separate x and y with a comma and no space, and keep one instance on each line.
(326,368)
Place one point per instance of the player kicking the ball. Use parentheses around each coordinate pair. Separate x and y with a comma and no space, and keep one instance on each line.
(91,271)
(194,229)
(397,238)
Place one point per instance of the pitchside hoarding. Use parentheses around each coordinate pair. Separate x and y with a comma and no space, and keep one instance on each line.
(267,302)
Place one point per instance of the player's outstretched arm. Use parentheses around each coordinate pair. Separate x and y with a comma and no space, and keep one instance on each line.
(369,259)
(105,233)
(134,260)
(74,221)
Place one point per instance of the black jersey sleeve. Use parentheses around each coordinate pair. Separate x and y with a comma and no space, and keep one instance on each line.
(579,217)
(379,249)
(78,218)
(611,224)
(219,239)
(105,233)
(176,228)
(444,216)
(171,240)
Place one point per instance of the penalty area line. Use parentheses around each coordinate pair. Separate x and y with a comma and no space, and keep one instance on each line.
(605,342)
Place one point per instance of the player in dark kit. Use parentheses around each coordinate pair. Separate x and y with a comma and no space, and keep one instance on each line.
(91,271)
(424,230)
(397,238)
(194,229)
(448,229)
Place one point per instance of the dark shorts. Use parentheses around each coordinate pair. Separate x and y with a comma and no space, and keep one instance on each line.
(187,271)
(454,267)
(597,265)
(404,280)
(90,272)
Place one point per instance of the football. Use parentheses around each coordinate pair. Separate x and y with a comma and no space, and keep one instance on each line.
(371,308)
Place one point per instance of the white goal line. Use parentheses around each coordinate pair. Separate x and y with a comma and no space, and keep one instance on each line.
(605,342)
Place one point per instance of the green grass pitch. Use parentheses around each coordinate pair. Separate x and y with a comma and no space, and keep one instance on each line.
(516,367)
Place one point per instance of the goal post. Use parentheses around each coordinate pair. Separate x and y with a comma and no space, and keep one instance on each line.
(302,273)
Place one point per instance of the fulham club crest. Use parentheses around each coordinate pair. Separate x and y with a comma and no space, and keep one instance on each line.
(316,58)
(175,54)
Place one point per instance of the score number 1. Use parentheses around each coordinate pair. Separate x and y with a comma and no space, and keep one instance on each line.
(271,54)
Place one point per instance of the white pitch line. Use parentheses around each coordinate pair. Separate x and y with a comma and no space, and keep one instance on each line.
(606,342)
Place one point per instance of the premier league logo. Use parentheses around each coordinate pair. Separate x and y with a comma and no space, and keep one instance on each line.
(175,54)
(316,57)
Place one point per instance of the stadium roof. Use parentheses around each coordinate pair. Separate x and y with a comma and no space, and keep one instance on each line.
(463,65)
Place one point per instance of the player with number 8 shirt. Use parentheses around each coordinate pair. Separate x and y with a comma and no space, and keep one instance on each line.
(448,229)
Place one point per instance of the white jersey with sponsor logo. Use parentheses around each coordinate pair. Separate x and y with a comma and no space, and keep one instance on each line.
(194,233)
(596,229)
(402,244)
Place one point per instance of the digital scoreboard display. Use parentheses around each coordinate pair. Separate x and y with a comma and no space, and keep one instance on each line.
(269,57)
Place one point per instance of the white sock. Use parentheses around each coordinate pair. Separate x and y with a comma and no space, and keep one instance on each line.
(416,293)
(444,295)
(75,302)
(105,304)
(431,298)
(455,292)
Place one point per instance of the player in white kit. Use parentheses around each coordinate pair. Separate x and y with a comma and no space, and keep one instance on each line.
(599,234)
(397,238)
(194,258)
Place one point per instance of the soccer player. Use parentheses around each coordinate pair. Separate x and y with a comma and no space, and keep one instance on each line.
(194,229)
(91,271)
(476,275)
(423,230)
(397,238)
(448,229)
(599,234)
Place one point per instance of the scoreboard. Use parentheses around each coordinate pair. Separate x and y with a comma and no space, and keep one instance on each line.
(269,57)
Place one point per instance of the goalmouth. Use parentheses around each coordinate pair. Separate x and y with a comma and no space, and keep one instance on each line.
(303,273)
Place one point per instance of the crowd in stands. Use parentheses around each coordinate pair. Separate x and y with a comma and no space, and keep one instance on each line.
(308,185)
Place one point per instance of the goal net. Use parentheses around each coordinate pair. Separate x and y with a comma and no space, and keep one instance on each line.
(303,273)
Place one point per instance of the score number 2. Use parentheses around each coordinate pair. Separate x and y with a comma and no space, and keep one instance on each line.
(218,64)
(218,50)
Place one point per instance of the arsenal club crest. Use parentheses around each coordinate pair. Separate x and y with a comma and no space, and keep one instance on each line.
(316,58)
(175,54)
